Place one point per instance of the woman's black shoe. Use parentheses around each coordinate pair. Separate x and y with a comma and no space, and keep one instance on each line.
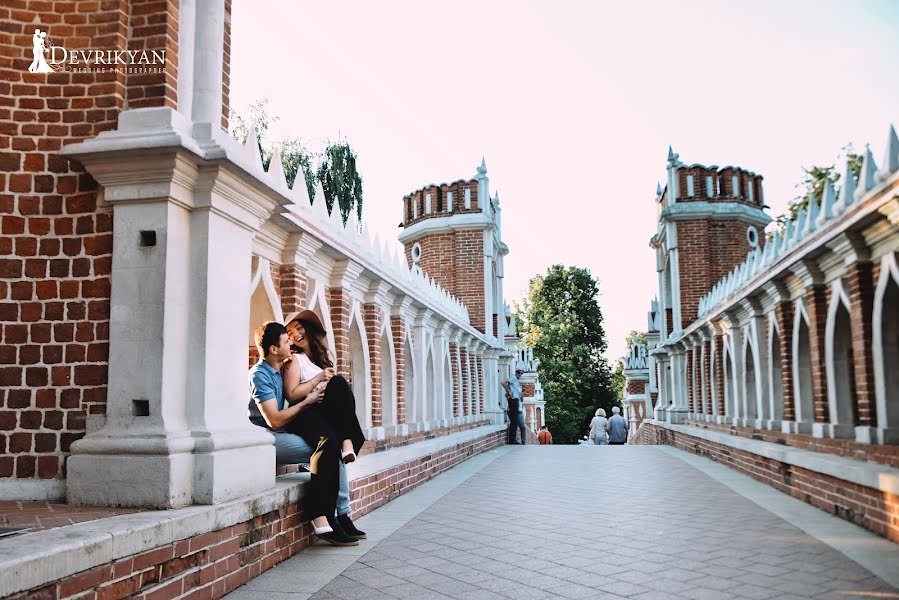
(347,525)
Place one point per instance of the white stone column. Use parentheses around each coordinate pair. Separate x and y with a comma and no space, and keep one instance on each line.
(493,392)
(176,431)
(442,412)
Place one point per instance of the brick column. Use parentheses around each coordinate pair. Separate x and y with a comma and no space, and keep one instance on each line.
(339,306)
(784,313)
(398,329)
(479,361)
(372,316)
(466,381)
(861,309)
(293,288)
(719,372)
(816,301)
(454,365)
(707,369)
(689,380)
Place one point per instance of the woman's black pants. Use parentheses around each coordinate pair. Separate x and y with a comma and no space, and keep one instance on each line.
(324,426)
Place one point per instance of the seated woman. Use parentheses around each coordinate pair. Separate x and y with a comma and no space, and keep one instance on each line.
(268,408)
(331,422)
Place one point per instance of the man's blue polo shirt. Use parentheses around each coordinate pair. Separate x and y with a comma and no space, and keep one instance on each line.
(265,385)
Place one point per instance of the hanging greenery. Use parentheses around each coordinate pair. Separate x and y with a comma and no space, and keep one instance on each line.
(334,167)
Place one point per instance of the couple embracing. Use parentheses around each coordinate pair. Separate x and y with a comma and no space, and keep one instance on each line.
(296,394)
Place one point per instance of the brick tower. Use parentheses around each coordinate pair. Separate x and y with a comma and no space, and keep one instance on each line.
(709,218)
(452,232)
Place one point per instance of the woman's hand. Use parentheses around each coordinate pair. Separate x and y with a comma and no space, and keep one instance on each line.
(329,373)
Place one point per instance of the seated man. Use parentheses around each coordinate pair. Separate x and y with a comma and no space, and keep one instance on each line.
(268,408)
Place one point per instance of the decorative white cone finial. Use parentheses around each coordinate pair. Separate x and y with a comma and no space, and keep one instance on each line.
(828,198)
(867,177)
(847,191)
(891,156)
(813,210)
(658,189)
(482,170)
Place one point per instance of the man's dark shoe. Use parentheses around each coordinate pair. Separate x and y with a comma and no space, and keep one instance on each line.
(349,528)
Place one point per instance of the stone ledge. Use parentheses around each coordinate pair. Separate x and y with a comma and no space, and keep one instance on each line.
(32,560)
(873,475)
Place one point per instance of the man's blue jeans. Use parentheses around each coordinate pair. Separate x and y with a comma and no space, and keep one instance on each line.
(516,422)
(291,449)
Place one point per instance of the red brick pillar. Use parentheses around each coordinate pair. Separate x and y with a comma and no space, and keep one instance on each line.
(718,345)
(816,301)
(398,329)
(690,392)
(479,361)
(861,310)
(707,369)
(454,365)
(293,288)
(339,305)
(466,381)
(372,316)
(784,314)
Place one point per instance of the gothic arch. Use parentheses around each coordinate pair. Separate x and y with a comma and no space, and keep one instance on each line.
(751,384)
(838,360)
(886,349)
(388,376)
(318,304)
(802,367)
(265,305)
(360,364)
(410,368)
(729,369)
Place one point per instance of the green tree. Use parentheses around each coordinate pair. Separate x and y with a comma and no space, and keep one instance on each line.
(635,337)
(341,181)
(562,322)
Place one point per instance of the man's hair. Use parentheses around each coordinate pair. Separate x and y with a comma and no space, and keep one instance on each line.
(615,410)
(268,335)
(543,427)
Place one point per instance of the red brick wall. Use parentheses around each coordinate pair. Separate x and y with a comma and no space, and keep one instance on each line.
(226,68)
(339,305)
(707,252)
(636,386)
(439,200)
(479,366)
(466,382)
(293,287)
(56,243)
(213,564)
(869,508)
(816,298)
(456,261)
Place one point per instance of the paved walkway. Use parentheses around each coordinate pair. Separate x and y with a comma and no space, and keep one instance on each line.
(575,522)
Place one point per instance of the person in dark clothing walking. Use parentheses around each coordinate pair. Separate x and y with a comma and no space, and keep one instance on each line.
(516,414)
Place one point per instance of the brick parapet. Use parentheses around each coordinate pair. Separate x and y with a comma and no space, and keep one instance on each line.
(867,507)
(398,330)
(860,286)
(214,563)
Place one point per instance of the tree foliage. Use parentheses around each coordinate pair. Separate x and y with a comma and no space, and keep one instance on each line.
(334,167)
(562,323)
(340,179)
(813,183)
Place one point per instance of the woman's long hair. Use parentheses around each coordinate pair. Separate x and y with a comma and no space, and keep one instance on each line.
(318,349)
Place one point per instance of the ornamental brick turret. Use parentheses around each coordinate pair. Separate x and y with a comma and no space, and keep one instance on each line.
(709,218)
(452,232)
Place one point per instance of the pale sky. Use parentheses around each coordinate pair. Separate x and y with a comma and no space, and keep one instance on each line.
(573,104)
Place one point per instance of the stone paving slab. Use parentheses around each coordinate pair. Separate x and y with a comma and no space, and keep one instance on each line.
(583,522)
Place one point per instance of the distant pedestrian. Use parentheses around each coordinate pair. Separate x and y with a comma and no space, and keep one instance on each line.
(599,428)
(516,416)
(617,428)
(544,437)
